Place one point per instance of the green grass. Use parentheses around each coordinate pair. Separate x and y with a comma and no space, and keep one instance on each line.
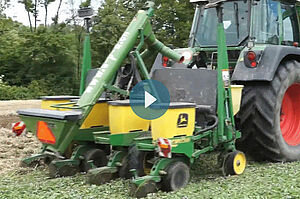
(260,180)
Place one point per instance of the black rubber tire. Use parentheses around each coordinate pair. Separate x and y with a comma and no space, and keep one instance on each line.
(97,155)
(231,160)
(178,176)
(136,160)
(260,116)
(124,171)
(47,160)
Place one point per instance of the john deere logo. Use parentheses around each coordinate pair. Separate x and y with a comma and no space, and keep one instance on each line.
(182,120)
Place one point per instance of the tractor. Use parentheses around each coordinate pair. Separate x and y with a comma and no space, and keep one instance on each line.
(262,41)
(233,44)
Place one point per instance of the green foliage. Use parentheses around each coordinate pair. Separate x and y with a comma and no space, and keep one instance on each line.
(171,24)
(45,55)
(260,180)
(85,4)
(52,55)
(33,91)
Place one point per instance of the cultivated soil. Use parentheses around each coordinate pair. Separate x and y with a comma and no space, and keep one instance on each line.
(12,148)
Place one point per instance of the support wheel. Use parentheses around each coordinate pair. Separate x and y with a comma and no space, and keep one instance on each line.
(98,157)
(139,160)
(124,171)
(178,176)
(235,163)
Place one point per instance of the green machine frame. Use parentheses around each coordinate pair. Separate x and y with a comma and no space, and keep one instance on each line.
(67,131)
(221,138)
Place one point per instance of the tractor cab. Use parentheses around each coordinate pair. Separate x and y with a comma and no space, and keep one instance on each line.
(266,22)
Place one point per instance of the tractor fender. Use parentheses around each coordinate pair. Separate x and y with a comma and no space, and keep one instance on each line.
(268,63)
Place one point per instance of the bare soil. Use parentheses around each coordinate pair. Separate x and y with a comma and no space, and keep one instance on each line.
(12,148)
(11,107)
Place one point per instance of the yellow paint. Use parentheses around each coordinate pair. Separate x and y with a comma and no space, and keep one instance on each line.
(236,91)
(97,117)
(46,104)
(123,120)
(239,163)
(167,125)
(180,141)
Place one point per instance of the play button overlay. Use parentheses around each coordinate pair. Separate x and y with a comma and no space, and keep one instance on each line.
(149,99)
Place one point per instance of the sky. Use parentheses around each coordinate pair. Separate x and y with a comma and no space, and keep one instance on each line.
(18,13)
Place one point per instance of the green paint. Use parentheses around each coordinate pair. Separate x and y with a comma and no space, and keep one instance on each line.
(140,24)
(88,134)
(86,64)
(125,139)
(116,158)
(209,140)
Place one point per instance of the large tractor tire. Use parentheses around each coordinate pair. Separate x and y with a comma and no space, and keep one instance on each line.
(270,116)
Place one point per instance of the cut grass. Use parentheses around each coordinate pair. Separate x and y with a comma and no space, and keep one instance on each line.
(260,180)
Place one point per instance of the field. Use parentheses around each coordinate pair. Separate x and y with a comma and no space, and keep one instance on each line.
(260,180)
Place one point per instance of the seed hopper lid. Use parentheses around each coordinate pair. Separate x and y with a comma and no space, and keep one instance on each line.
(60,97)
(52,114)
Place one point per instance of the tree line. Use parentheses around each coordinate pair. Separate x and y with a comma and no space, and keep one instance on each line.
(46,59)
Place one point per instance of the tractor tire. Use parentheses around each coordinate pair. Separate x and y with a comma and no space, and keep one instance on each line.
(270,116)
(178,176)
(138,160)
(98,157)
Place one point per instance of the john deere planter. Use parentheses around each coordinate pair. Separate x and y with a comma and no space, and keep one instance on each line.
(163,155)
(68,136)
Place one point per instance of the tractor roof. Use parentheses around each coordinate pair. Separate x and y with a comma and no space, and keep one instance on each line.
(209,3)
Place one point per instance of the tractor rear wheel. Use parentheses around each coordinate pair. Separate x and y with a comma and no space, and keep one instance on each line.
(270,116)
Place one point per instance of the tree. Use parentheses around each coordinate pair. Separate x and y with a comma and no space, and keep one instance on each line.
(171,24)
(85,4)
(47,55)
(3,5)
(55,18)
(29,7)
(46,4)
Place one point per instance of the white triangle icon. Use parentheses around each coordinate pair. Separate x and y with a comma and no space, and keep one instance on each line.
(149,99)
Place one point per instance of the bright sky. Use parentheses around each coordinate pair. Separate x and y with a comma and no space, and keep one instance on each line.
(18,12)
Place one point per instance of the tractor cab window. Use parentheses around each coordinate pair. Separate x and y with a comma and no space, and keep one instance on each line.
(289,23)
(235,20)
(273,22)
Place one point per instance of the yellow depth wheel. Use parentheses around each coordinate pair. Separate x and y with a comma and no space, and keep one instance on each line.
(239,163)
(235,163)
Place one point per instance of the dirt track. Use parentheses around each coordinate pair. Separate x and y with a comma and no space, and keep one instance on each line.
(13,148)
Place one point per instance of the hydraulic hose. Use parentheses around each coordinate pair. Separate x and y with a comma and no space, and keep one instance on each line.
(214,125)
